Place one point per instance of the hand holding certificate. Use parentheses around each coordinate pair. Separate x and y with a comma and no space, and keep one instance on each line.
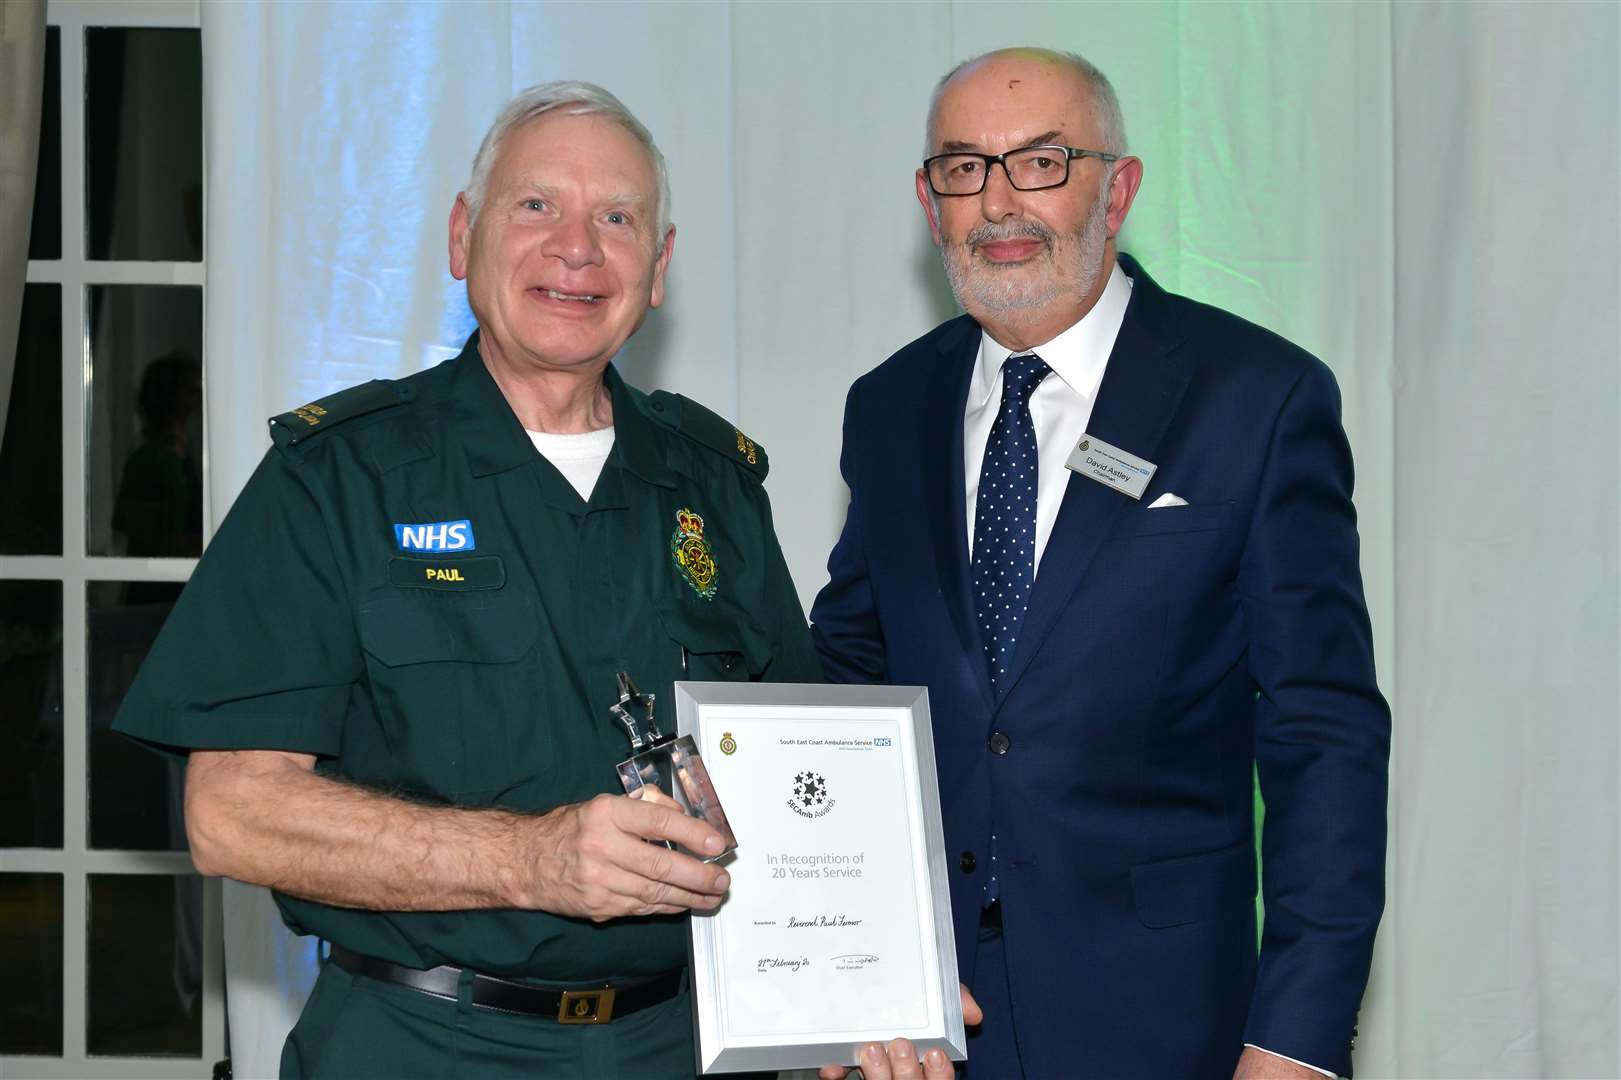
(899,1060)
(837,930)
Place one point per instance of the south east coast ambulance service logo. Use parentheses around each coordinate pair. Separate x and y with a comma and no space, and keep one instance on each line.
(810,798)
(692,554)
(728,744)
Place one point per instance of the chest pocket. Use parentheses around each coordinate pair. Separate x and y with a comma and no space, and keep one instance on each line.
(722,643)
(475,627)
(1138,521)
(455,709)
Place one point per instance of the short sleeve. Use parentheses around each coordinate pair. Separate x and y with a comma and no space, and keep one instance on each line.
(260,650)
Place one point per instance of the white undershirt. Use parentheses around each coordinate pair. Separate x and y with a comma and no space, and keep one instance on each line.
(1060,406)
(579,458)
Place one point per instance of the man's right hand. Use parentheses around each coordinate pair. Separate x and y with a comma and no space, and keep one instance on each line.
(592,860)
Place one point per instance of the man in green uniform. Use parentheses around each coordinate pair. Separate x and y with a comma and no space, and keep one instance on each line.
(393,666)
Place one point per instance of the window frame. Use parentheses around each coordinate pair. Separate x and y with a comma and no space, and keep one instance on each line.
(75,569)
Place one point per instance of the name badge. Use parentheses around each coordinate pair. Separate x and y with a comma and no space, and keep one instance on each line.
(435,536)
(1111,466)
(482,572)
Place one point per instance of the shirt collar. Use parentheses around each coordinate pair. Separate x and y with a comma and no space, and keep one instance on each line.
(495,441)
(491,434)
(1078,355)
(636,437)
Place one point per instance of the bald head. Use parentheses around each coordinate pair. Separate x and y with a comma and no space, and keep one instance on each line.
(1007,77)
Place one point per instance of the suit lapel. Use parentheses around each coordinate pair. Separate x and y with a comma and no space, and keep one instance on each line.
(1141,389)
(947,511)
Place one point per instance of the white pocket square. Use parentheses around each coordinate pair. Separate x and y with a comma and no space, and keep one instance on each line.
(1167,499)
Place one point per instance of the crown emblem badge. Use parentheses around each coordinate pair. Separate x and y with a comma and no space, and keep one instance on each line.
(692,554)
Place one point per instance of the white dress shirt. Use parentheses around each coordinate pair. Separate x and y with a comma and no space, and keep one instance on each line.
(1060,409)
(1060,406)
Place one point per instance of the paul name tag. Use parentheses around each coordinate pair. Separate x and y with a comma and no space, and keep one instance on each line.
(1111,466)
(483,572)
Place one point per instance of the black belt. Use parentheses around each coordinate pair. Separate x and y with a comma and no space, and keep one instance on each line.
(586,1005)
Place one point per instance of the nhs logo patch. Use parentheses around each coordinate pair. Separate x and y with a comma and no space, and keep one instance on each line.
(435,536)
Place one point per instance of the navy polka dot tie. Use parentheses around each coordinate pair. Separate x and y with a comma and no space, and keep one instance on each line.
(1004,565)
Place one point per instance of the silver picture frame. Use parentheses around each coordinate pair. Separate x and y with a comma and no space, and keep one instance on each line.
(834,799)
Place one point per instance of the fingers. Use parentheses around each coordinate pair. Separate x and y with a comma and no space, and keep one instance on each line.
(898,1061)
(591,861)
(654,796)
(874,1063)
(972,1014)
(903,1063)
(646,878)
(661,818)
(661,865)
(630,893)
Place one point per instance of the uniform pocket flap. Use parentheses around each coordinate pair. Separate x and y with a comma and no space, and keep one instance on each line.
(1193,887)
(713,630)
(421,627)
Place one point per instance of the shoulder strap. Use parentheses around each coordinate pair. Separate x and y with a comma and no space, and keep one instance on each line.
(307,421)
(709,430)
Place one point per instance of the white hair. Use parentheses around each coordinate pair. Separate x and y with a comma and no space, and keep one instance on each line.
(577,99)
(1106,113)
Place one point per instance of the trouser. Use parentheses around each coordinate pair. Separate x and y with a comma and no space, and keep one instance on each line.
(993,1047)
(354,1027)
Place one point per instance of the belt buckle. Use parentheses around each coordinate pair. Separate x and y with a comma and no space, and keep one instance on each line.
(586,1006)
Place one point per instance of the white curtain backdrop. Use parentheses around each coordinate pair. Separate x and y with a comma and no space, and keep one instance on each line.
(1425,195)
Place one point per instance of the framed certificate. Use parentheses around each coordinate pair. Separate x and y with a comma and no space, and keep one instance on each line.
(836,931)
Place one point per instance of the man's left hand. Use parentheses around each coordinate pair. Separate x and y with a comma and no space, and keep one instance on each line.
(1254,1064)
(899,1061)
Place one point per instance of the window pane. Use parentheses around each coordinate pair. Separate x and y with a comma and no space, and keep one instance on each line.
(31,453)
(143,127)
(45,235)
(145,482)
(31,957)
(146,965)
(31,721)
(135,792)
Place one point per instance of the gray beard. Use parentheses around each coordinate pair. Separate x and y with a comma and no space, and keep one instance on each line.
(1074,262)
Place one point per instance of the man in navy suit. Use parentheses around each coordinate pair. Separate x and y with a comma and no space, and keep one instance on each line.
(1111,530)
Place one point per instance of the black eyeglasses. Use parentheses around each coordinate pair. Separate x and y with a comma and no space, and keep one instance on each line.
(1029,168)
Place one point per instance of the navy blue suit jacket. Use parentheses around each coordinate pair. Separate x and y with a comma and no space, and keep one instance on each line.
(1165,653)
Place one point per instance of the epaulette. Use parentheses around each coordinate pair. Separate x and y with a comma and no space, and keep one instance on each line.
(306,421)
(709,430)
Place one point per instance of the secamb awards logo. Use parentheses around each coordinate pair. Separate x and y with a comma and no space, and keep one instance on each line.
(810,798)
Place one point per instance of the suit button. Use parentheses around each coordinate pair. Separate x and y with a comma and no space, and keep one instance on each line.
(999,744)
(967,862)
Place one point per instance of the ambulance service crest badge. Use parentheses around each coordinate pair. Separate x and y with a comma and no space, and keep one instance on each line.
(692,554)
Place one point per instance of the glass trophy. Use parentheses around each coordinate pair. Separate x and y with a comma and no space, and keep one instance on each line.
(669,763)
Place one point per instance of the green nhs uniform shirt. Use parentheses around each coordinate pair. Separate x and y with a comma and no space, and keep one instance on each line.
(409,591)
